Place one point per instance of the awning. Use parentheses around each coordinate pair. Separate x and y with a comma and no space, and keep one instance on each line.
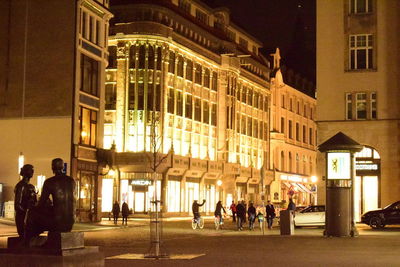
(304,188)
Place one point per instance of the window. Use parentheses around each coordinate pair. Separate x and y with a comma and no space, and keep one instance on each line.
(142,57)
(206,79)
(131,96)
(304,134)
(189,70)
(349,107)
(197,76)
(291,104)
(140,96)
(88,126)
(290,130)
(310,136)
(214,114)
(188,107)
(214,85)
(171,66)
(201,16)
(305,111)
(283,101)
(206,112)
(290,163)
(151,57)
(112,57)
(231,35)
(84,23)
(111,96)
(282,161)
(373,105)
(361,52)
(185,5)
(297,131)
(89,75)
(243,43)
(179,103)
(180,66)
(171,101)
(361,105)
(197,109)
(282,125)
(360,6)
(159,58)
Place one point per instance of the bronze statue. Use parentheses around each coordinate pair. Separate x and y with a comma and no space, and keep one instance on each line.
(57,215)
(25,197)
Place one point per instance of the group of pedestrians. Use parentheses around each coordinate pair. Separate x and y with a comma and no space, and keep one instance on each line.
(124,210)
(239,214)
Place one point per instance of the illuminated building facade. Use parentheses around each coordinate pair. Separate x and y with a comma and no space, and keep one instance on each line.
(182,75)
(358,92)
(293,138)
(53,56)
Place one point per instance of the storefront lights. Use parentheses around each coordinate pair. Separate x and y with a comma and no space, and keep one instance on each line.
(314,179)
(219,182)
(111,172)
(21,160)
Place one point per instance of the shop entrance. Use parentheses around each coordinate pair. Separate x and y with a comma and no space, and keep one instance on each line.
(139,200)
(366,183)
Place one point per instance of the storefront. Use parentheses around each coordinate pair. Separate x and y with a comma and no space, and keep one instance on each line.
(301,189)
(192,192)
(174,193)
(86,187)
(210,195)
(366,184)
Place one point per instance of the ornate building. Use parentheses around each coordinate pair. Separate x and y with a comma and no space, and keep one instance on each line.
(185,84)
(358,92)
(53,56)
(187,90)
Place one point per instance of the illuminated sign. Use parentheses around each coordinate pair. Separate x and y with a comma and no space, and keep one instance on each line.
(367,167)
(291,178)
(339,166)
(141,182)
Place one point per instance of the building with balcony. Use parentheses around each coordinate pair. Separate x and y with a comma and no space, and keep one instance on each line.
(358,92)
(53,56)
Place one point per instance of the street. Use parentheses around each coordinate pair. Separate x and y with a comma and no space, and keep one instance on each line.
(228,247)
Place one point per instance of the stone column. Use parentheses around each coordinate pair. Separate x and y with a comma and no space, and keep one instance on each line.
(121,95)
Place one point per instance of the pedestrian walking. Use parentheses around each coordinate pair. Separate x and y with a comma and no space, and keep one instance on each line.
(251,212)
(125,213)
(115,211)
(270,210)
(241,215)
(233,209)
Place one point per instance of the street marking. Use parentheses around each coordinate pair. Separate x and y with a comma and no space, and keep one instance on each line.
(132,256)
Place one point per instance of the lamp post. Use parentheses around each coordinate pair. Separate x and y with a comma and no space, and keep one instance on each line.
(339,219)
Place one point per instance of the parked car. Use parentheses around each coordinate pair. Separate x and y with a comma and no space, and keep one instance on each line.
(382,217)
(313,215)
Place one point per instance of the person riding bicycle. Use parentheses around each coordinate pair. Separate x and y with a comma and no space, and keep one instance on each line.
(251,211)
(218,212)
(195,208)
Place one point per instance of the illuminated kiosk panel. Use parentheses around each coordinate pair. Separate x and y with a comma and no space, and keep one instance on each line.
(338,165)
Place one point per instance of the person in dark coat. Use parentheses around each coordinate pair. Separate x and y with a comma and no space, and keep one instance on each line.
(251,212)
(218,210)
(270,210)
(291,205)
(115,211)
(233,209)
(125,213)
(241,214)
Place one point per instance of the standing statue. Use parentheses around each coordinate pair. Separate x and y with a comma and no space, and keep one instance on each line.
(57,214)
(25,198)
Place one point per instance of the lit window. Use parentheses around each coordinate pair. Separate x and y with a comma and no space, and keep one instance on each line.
(361,52)
(110,96)
(188,106)
(364,105)
(88,126)
(360,6)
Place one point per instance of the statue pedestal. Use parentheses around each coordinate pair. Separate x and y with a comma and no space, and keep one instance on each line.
(56,249)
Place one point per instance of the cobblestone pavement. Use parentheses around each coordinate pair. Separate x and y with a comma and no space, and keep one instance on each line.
(228,247)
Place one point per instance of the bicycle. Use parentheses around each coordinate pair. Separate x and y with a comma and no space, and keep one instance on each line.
(197,223)
(218,221)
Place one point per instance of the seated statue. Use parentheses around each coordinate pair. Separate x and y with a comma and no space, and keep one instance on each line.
(25,198)
(58,213)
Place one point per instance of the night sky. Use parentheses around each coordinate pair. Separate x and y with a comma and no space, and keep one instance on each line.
(287,24)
